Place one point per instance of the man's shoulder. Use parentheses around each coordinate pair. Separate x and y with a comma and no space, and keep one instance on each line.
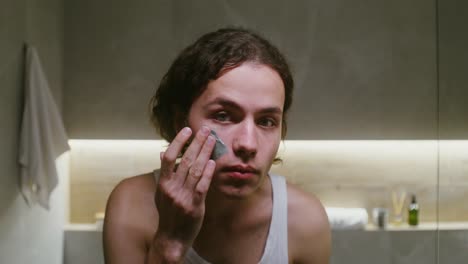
(305,210)
(134,188)
(130,218)
(308,226)
(132,201)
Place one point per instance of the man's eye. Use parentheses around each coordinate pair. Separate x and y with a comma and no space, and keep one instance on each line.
(267,122)
(222,117)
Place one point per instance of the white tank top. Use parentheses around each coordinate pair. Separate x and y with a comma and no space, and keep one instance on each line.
(276,248)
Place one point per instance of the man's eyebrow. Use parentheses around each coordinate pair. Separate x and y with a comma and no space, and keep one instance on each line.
(271,110)
(224,102)
(228,103)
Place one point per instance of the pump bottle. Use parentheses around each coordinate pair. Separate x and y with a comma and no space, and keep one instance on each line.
(413,212)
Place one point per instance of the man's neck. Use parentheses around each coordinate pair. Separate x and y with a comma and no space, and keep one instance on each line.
(228,222)
(232,213)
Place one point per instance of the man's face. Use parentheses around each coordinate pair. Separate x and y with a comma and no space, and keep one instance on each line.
(245,107)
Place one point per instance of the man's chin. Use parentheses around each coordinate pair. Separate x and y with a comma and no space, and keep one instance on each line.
(232,192)
(235,188)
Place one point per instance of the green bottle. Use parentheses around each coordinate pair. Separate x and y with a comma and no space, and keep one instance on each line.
(413,212)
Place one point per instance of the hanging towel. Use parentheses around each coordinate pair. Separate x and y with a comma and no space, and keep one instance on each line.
(43,137)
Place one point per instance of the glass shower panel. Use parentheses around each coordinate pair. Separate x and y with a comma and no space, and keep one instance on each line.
(453,116)
(368,105)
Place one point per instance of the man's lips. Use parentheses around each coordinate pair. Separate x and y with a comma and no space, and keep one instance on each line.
(240,168)
(240,171)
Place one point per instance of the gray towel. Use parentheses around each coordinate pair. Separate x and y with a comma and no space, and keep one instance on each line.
(43,137)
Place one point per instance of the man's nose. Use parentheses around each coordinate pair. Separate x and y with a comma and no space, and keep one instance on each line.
(245,140)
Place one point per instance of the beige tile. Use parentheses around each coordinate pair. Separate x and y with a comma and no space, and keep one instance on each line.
(454,162)
(359,162)
(453,205)
(97,166)
(340,173)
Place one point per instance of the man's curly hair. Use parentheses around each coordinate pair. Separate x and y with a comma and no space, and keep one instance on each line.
(204,61)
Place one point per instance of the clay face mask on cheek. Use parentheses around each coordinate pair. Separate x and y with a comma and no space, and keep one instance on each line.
(219,148)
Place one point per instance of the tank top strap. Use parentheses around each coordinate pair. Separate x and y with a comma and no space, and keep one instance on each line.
(276,248)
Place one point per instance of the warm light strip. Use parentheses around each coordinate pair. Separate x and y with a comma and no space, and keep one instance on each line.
(416,149)
(284,144)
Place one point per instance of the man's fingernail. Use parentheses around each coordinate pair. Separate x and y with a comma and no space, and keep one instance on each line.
(211,139)
(187,131)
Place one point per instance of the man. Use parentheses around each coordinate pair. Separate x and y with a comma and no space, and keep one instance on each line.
(230,209)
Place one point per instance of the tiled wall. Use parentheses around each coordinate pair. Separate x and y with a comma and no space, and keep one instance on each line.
(340,173)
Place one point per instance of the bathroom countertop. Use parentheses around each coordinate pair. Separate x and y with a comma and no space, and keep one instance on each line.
(83,244)
(82,227)
(425,226)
